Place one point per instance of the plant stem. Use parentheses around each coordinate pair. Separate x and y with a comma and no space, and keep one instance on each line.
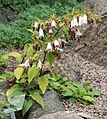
(43,62)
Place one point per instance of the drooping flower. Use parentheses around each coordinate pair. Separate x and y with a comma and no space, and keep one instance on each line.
(74,23)
(77,32)
(56,44)
(36,24)
(80,21)
(49,47)
(53,24)
(41,33)
(50,32)
(39,65)
(84,19)
(27,64)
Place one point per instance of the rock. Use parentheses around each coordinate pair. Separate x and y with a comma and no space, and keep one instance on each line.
(87,116)
(52,104)
(73,63)
(100,6)
(61,115)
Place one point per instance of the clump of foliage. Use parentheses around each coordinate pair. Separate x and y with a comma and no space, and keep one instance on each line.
(73,91)
(19,6)
(37,68)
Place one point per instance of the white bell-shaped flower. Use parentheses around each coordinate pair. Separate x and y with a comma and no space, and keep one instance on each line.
(53,24)
(84,19)
(36,24)
(80,21)
(50,31)
(39,65)
(27,64)
(74,23)
(49,47)
(56,44)
(41,33)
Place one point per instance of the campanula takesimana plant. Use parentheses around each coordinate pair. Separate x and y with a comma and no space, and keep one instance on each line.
(37,67)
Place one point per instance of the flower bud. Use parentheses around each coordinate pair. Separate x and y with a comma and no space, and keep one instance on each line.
(39,65)
(50,32)
(36,25)
(27,64)
(53,24)
(49,47)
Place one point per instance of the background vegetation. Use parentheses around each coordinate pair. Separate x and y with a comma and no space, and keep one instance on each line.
(16,34)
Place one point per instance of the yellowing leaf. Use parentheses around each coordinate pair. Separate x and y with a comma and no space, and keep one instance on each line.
(18,72)
(36,96)
(32,72)
(14,91)
(43,83)
(16,55)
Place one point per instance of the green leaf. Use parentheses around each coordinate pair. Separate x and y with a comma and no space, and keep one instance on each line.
(5,58)
(88,98)
(36,96)
(72,100)
(50,58)
(8,74)
(26,106)
(87,86)
(32,72)
(1,92)
(83,101)
(2,78)
(14,91)
(94,93)
(18,72)
(30,51)
(43,83)
(67,93)
(16,55)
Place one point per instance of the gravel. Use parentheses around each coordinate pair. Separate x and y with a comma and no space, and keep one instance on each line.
(72,63)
